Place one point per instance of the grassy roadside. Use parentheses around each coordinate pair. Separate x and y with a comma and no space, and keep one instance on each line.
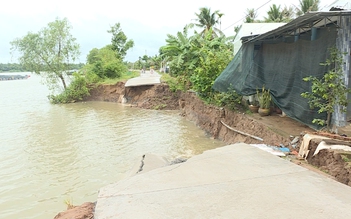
(125,76)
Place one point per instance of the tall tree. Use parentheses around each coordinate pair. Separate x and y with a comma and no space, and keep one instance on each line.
(250,15)
(104,63)
(119,42)
(288,13)
(207,20)
(274,14)
(307,6)
(49,52)
(236,30)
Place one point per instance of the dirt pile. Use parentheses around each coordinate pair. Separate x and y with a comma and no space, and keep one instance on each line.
(84,211)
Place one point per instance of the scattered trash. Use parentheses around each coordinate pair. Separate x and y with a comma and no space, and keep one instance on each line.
(284,149)
(295,140)
(323,145)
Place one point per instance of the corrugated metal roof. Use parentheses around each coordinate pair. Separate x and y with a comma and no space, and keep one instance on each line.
(252,29)
(338,5)
(249,30)
(301,24)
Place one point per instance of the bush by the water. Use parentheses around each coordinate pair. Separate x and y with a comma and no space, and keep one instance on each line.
(76,91)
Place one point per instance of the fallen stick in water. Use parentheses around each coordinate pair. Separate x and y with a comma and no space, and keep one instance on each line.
(240,132)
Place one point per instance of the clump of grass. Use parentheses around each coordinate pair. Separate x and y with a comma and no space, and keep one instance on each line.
(346,157)
(69,203)
(160,106)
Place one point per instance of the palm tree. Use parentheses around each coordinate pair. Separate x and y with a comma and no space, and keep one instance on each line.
(307,6)
(207,20)
(250,16)
(288,13)
(274,14)
(236,30)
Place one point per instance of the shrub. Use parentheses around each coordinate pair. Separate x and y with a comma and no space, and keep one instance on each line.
(76,91)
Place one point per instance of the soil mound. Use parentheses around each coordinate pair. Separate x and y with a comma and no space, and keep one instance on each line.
(84,211)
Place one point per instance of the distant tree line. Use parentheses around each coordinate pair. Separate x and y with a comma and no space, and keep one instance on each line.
(11,67)
(15,67)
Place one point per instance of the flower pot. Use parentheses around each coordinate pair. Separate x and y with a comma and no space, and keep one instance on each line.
(264,112)
(253,108)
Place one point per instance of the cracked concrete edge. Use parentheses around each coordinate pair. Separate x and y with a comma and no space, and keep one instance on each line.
(146,163)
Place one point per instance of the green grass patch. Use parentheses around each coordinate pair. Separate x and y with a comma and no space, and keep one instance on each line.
(160,106)
(125,76)
(172,82)
(346,157)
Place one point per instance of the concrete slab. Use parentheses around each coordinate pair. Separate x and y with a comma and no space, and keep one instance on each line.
(146,163)
(146,78)
(235,181)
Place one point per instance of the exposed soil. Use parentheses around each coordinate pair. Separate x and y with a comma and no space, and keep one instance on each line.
(275,130)
(84,211)
(336,163)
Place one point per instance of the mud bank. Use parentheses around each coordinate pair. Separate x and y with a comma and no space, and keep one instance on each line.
(336,163)
(273,130)
(208,118)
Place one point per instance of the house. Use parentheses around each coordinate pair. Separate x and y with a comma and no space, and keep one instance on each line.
(280,58)
(252,30)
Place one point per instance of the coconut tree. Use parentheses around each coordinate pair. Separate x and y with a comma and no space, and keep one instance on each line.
(274,14)
(307,6)
(208,20)
(288,13)
(236,30)
(251,15)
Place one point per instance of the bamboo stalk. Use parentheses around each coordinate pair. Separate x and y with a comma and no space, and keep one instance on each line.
(243,133)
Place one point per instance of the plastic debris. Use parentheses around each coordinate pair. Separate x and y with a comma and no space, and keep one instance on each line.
(295,140)
(285,149)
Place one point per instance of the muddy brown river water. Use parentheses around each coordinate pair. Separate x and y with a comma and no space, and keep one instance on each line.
(52,153)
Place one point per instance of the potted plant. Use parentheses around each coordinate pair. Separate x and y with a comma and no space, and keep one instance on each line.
(254,105)
(264,99)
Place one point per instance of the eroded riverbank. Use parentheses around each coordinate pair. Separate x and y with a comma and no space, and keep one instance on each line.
(273,130)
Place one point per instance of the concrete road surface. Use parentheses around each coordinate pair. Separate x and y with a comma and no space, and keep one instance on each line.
(235,181)
(146,78)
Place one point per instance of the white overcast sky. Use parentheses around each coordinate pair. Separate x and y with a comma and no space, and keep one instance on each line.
(146,22)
